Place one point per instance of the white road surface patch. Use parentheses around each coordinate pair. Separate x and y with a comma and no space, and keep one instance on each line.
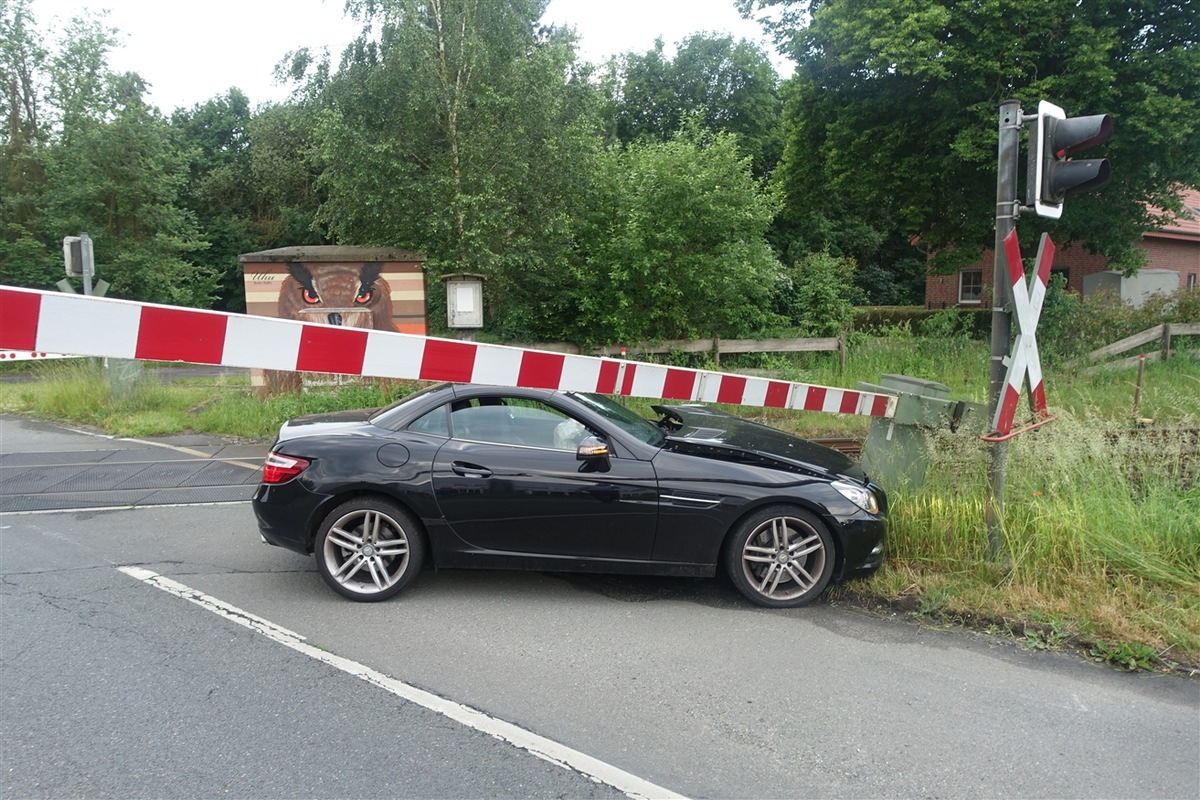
(546,749)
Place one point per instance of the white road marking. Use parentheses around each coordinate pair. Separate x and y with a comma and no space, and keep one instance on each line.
(199,453)
(546,749)
(177,448)
(82,509)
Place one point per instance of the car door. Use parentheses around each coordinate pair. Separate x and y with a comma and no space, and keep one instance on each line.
(509,481)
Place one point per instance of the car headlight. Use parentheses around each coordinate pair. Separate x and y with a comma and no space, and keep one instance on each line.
(862,497)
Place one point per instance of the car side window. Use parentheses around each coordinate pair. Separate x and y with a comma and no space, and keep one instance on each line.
(515,421)
(435,422)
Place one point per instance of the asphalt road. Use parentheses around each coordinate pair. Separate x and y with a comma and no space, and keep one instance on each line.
(112,687)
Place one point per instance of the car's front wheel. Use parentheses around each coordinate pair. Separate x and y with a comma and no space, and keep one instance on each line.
(368,549)
(780,557)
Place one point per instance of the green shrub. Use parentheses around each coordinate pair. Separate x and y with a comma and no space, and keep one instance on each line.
(817,294)
(1078,327)
(1058,319)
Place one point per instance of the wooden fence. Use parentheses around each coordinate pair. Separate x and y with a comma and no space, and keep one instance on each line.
(714,347)
(1163,332)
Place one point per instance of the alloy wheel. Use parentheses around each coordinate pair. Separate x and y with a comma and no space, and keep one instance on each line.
(366,552)
(784,559)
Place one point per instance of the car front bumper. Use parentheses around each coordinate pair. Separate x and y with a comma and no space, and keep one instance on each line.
(863,547)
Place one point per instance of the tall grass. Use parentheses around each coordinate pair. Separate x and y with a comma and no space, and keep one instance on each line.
(1101,534)
(83,391)
(249,416)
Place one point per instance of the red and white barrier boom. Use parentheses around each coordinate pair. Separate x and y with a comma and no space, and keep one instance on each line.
(32,320)
(1027,305)
(25,355)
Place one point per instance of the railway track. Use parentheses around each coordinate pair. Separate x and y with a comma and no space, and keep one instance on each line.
(849,445)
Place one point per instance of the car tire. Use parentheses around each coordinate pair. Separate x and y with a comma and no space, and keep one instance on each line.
(368,549)
(780,557)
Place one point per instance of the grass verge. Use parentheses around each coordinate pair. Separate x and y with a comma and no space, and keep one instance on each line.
(1101,549)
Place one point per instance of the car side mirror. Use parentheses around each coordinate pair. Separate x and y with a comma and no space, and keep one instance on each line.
(593,448)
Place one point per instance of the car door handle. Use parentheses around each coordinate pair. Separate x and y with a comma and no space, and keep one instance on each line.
(470,470)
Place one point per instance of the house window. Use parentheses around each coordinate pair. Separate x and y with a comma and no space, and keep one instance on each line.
(1191,283)
(970,286)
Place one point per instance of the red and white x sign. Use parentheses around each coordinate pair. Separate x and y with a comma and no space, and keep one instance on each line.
(1027,305)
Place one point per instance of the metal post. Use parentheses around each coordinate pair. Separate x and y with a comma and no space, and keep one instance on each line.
(1007,208)
(88,258)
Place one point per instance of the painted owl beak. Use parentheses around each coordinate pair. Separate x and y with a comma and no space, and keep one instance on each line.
(345,317)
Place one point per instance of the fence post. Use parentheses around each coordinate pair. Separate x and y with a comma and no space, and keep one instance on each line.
(1166,349)
(716,353)
(1137,394)
(841,351)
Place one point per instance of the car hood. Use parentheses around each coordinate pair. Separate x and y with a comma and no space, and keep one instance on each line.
(707,432)
(335,422)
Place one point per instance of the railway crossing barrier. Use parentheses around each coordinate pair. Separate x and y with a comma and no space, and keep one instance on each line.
(38,321)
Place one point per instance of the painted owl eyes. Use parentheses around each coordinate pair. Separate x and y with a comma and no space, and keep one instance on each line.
(311,297)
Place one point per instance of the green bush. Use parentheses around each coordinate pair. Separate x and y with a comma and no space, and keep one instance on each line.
(817,294)
(1072,327)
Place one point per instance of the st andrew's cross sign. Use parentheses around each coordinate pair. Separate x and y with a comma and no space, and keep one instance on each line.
(1027,302)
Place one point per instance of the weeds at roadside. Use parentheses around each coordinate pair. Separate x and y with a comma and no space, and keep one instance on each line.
(1053,638)
(1127,655)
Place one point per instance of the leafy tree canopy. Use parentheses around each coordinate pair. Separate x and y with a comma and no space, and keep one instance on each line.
(672,245)
(463,129)
(892,115)
(727,86)
(81,151)
(817,294)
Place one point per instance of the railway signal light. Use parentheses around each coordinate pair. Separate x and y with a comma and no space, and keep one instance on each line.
(1054,176)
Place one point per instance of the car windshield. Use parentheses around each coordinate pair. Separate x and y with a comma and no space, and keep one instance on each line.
(644,430)
(377,417)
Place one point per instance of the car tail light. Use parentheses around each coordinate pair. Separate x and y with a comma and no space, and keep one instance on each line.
(279,468)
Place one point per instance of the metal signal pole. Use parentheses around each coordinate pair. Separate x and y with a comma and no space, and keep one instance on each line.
(1007,208)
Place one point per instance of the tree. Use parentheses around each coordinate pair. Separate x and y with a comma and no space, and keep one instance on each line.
(22,178)
(284,173)
(22,60)
(726,86)
(463,129)
(222,191)
(83,152)
(672,244)
(120,179)
(817,295)
(892,114)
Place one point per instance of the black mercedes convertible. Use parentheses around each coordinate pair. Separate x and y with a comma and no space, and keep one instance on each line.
(489,477)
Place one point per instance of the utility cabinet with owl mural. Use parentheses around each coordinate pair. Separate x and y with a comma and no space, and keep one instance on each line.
(381,288)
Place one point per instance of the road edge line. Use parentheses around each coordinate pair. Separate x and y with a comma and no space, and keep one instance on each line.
(546,749)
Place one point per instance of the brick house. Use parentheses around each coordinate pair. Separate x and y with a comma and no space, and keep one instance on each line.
(1175,247)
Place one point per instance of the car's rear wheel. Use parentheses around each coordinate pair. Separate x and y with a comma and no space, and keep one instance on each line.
(368,549)
(780,557)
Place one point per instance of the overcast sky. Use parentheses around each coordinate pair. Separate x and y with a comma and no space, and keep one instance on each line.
(192,50)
